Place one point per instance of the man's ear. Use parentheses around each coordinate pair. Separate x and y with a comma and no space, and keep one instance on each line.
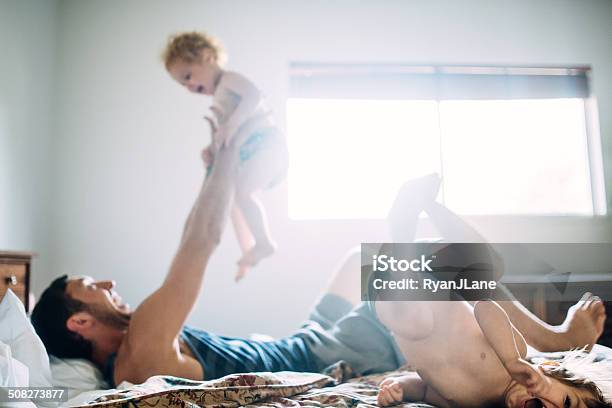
(80,322)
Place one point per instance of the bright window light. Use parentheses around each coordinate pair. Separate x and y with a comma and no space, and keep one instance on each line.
(516,157)
(349,157)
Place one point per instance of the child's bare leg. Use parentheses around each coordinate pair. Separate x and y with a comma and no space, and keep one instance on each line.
(585,320)
(245,238)
(255,217)
(450,226)
(412,198)
(582,327)
(584,323)
(345,281)
(257,173)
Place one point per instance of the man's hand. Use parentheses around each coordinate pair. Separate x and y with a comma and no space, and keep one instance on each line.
(212,123)
(220,133)
(529,375)
(390,393)
(208,154)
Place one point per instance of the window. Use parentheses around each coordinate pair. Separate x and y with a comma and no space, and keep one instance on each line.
(506,141)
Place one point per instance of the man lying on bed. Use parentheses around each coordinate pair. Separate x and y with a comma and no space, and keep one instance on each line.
(79,317)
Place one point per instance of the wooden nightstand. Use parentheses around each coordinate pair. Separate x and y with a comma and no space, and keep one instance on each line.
(543,298)
(15,270)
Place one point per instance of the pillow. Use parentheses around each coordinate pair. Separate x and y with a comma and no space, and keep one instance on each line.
(13,373)
(76,375)
(17,332)
(22,344)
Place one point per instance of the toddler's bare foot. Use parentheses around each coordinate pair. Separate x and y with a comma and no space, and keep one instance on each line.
(584,323)
(260,251)
(242,272)
(257,253)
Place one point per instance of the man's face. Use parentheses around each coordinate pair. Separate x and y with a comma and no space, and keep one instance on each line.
(559,395)
(102,301)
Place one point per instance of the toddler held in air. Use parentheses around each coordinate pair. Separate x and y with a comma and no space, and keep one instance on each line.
(195,60)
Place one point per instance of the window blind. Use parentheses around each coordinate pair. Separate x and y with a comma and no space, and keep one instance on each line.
(437,82)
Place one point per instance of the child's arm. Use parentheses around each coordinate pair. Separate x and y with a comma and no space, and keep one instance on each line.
(250,97)
(509,345)
(246,128)
(411,387)
(507,342)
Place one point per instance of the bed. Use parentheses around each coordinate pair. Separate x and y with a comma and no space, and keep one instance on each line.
(337,387)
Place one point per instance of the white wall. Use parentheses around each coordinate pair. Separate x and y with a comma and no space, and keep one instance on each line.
(128,137)
(28,56)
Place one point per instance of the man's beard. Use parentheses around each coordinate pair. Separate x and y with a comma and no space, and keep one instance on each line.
(116,319)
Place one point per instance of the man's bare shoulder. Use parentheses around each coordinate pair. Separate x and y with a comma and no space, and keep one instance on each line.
(136,363)
(127,360)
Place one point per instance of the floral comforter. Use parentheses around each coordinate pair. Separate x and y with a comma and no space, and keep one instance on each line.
(335,388)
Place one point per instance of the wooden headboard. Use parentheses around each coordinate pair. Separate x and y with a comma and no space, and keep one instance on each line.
(15,274)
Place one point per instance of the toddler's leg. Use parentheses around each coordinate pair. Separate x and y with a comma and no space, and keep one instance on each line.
(245,238)
(452,227)
(413,197)
(257,173)
(255,217)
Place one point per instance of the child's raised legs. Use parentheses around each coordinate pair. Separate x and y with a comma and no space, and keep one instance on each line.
(255,217)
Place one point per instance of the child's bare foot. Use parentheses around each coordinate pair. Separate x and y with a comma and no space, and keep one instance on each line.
(260,251)
(253,256)
(584,323)
(242,272)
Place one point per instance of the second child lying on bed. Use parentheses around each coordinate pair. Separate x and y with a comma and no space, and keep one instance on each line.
(473,357)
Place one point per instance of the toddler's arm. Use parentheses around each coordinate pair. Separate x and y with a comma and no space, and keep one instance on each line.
(250,97)
(245,129)
(410,387)
(509,345)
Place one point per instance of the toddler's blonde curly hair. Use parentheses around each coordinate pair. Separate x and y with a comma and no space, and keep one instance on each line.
(188,47)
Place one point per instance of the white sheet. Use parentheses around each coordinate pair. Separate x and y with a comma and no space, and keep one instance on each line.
(17,333)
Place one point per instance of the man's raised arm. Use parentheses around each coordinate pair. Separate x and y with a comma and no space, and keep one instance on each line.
(161,316)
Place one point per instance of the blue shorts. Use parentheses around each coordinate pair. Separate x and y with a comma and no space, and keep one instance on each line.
(336,332)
